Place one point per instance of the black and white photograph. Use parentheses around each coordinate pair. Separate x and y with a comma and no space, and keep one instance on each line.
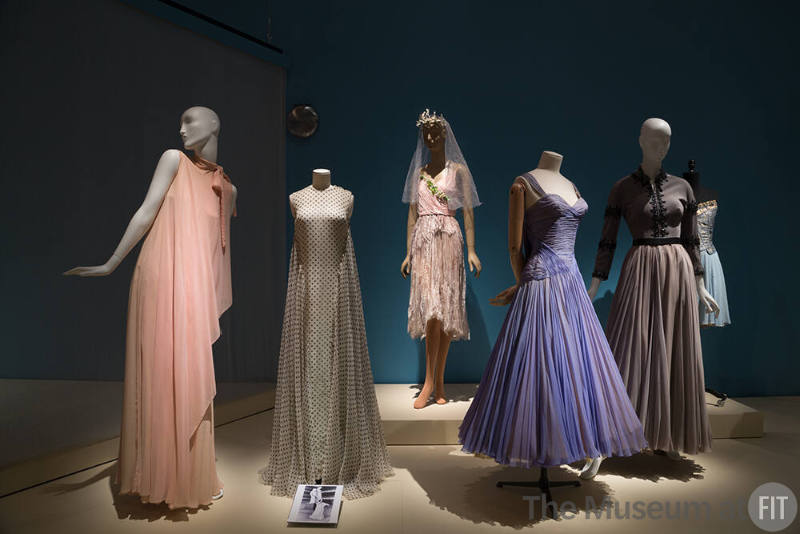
(316,504)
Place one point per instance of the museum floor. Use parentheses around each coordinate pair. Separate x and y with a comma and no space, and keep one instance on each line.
(438,489)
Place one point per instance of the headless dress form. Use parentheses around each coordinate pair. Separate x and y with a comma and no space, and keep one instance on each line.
(327,428)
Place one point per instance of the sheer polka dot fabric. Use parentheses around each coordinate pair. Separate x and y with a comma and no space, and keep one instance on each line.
(326,421)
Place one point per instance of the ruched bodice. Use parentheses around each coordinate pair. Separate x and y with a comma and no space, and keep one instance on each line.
(549,231)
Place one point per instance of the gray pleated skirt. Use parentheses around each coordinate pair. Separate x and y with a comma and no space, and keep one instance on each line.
(654,333)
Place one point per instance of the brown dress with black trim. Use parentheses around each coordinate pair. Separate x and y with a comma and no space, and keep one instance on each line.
(653,327)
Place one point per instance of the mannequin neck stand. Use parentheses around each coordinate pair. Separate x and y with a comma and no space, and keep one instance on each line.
(321,179)
(550,161)
(701,193)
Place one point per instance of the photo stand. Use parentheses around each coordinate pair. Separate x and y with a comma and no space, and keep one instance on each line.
(316,505)
(544,486)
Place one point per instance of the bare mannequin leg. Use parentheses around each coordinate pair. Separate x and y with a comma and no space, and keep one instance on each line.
(432,330)
(444,346)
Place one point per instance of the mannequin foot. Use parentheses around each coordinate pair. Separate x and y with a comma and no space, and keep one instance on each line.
(218,496)
(422,400)
(674,455)
(590,468)
(439,396)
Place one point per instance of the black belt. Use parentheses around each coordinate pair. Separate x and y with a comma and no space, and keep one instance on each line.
(656,241)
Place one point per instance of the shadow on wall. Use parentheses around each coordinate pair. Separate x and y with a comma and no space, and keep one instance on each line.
(463,355)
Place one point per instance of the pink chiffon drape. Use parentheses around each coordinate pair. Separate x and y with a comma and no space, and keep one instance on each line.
(180,287)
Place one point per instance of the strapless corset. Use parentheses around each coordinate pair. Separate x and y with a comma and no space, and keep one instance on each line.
(706,214)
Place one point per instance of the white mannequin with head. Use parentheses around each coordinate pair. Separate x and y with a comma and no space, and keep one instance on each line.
(654,140)
(199,130)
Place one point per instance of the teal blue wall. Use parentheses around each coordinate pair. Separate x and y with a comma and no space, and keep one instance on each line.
(577,78)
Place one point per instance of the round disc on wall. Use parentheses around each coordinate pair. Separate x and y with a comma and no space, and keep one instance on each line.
(302,121)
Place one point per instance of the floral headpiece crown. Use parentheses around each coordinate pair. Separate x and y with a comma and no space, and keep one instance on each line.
(428,118)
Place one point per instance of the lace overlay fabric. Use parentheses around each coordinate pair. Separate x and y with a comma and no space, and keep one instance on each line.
(438,278)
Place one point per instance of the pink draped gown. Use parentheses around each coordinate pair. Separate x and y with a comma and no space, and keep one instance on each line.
(180,287)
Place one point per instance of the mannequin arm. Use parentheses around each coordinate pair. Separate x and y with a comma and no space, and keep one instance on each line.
(594,287)
(469,229)
(234,196)
(405,268)
(608,242)
(608,239)
(516,215)
(143,218)
(705,297)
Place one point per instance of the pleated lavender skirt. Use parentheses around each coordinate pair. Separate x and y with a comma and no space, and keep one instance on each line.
(653,330)
(551,393)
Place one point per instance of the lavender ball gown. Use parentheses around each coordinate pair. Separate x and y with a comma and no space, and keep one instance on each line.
(551,393)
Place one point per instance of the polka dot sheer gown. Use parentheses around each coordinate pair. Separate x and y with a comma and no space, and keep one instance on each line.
(326,420)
